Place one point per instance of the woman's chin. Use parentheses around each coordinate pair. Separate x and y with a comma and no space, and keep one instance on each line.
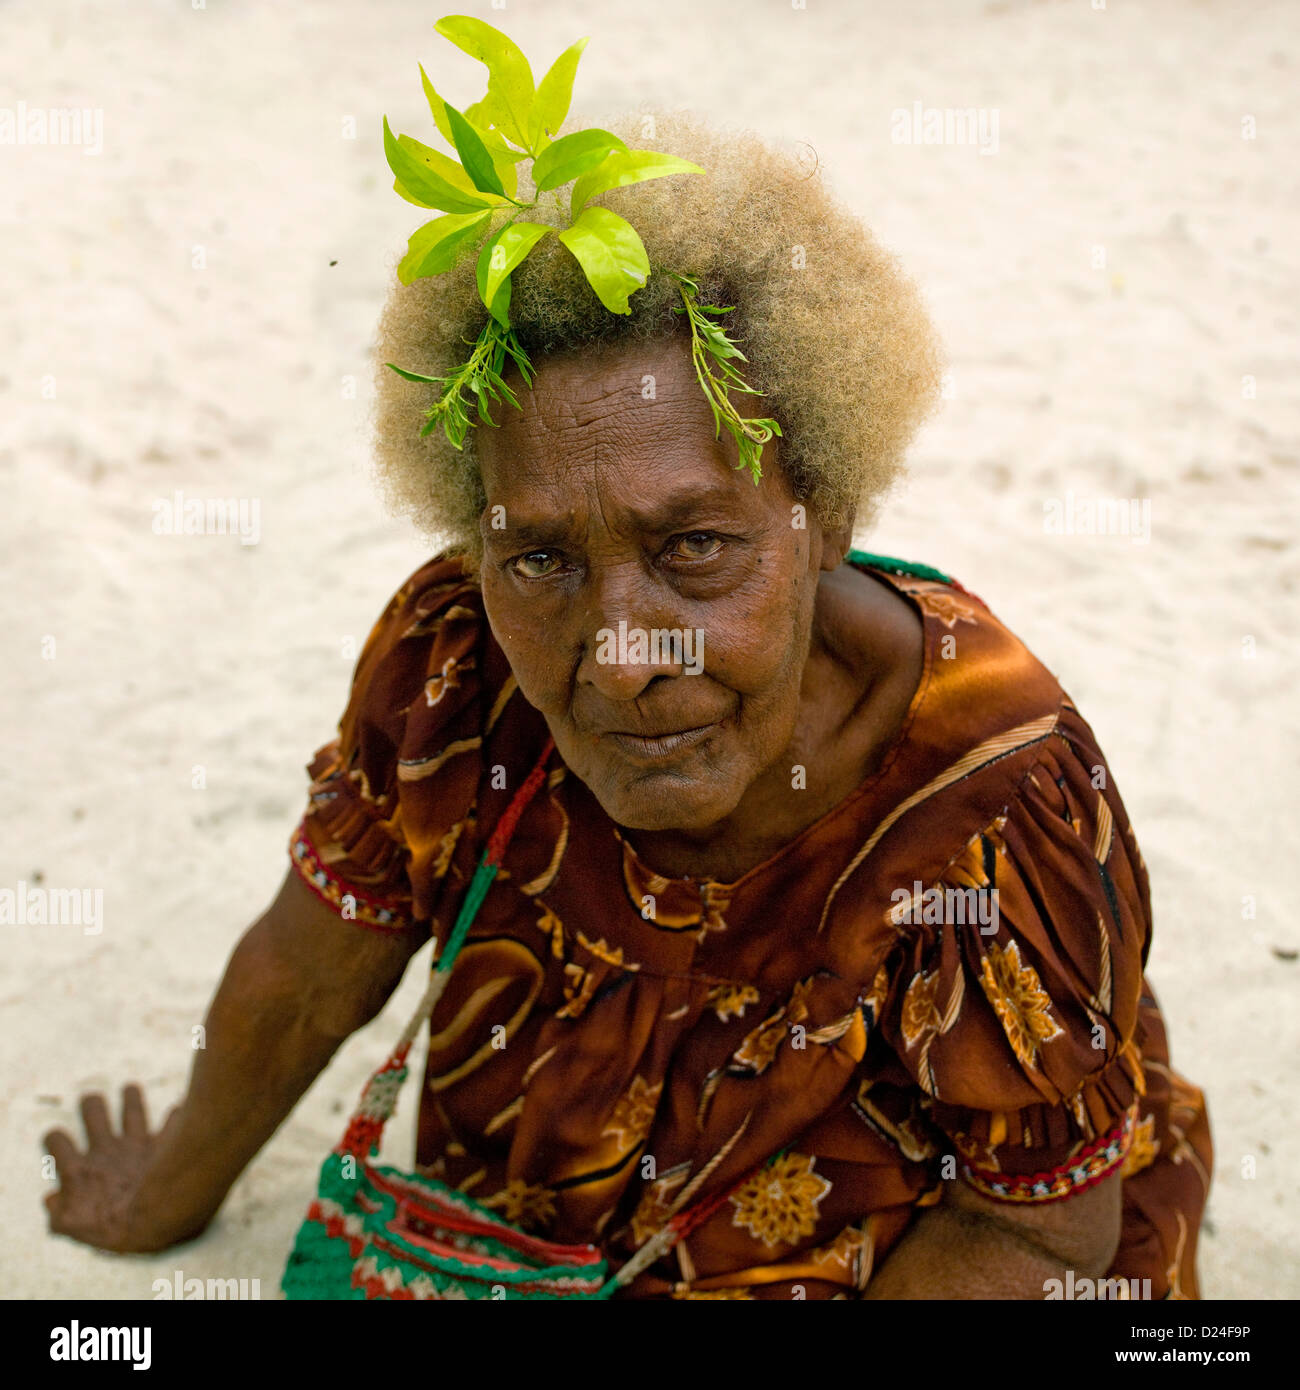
(641,799)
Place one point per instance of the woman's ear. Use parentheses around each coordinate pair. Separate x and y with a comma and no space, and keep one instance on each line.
(837,541)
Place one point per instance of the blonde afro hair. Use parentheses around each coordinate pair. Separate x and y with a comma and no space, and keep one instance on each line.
(835,332)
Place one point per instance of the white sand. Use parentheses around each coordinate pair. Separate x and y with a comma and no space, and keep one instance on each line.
(223,130)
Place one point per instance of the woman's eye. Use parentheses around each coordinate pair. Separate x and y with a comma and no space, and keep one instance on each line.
(697,545)
(537,564)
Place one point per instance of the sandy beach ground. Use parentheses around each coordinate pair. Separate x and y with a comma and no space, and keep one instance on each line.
(190,306)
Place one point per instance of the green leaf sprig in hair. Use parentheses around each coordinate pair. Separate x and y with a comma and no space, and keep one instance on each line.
(480,375)
(710,347)
(477,195)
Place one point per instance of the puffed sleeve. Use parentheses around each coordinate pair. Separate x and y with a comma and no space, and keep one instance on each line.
(414,709)
(1016,1006)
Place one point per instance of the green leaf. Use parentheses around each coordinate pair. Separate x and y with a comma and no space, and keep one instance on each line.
(506,173)
(719,344)
(571,156)
(504,160)
(479,116)
(513,243)
(504,156)
(611,255)
(483,115)
(437,106)
(474,154)
(402,193)
(434,247)
(422,183)
(443,165)
(411,376)
(510,79)
(554,95)
(510,345)
(623,167)
(499,303)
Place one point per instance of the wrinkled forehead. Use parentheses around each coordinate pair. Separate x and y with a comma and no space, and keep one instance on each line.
(642,387)
(606,458)
(627,431)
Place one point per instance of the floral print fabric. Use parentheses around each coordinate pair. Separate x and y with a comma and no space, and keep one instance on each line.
(828,1038)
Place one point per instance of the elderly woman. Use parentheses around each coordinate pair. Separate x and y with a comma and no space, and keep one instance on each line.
(828,908)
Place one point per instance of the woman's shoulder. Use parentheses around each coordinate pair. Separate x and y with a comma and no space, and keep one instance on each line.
(425,641)
(1014,912)
(982,709)
(993,725)
(978,678)
(994,760)
(423,601)
(392,792)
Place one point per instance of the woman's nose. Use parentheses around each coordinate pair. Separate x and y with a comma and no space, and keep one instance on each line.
(628,643)
(622,659)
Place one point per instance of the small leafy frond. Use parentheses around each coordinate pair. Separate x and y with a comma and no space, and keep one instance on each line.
(480,376)
(711,348)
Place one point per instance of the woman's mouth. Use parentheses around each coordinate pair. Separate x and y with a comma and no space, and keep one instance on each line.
(640,748)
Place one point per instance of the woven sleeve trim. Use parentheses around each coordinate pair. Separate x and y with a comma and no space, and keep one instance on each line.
(1094,1162)
(351,903)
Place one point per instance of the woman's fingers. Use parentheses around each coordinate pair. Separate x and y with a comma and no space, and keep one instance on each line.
(59,1145)
(94,1115)
(135,1119)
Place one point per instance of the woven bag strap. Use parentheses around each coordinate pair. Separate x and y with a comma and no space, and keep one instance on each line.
(379,1097)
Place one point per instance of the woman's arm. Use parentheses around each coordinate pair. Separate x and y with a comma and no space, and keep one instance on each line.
(971,1247)
(299,982)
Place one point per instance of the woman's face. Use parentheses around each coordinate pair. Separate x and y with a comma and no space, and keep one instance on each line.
(654,604)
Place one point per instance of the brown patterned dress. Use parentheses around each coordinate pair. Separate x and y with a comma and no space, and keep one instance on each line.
(838,1030)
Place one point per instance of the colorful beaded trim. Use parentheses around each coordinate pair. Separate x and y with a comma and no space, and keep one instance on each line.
(350,903)
(900,567)
(1093,1163)
(906,569)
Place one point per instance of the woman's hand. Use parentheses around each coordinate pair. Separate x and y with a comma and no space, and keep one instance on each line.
(104,1194)
(299,982)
